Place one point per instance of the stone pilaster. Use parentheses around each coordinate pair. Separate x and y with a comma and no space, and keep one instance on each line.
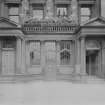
(103,58)
(0,57)
(42,56)
(27,56)
(74,15)
(23,57)
(78,57)
(18,56)
(49,9)
(83,56)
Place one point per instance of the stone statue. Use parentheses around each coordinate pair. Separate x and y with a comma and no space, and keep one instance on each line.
(49,9)
(25,10)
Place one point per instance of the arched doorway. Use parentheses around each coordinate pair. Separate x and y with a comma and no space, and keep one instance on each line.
(93,57)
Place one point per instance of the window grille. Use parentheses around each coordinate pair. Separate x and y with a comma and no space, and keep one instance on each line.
(65,52)
(62,10)
(8,44)
(14,12)
(85,14)
(35,53)
(38,11)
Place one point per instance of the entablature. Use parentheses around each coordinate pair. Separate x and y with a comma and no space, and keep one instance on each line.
(12,1)
(87,1)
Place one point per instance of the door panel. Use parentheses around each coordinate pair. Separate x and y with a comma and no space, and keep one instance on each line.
(8,62)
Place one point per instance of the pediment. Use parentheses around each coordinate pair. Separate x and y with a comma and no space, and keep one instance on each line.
(6,23)
(99,21)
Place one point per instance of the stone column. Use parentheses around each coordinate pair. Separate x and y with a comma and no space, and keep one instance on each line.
(83,56)
(23,57)
(78,57)
(18,56)
(0,57)
(42,56)
(49,9)
(27,56)
(103,58)
(74,15)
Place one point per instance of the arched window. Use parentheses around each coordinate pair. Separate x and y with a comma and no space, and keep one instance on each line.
(65,52)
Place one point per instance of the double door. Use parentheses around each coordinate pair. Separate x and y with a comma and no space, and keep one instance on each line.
(8,62)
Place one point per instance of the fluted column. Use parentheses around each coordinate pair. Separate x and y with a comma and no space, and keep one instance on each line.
(83,56)
(103,58)
(78,57)
(0,57)
(23,57)
(49,9)
(18,56)
(74,5)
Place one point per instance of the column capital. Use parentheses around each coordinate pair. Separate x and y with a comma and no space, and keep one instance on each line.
(83,38)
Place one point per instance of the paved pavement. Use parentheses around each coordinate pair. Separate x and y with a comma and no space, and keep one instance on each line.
(52,93)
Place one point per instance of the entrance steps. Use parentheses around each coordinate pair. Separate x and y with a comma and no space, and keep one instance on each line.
(94,79)
(69,78)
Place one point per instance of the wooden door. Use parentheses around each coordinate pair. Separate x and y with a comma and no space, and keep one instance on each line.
(8,62)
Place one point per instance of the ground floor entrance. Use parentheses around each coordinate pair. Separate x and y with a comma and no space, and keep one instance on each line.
(8,62)
(50,57)
(92,62)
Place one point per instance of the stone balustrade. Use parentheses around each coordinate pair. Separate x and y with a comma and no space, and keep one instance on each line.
(49,27)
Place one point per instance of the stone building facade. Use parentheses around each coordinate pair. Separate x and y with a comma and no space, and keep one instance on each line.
(51,39)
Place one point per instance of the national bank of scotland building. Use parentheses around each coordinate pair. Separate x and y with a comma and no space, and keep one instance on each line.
(52,39)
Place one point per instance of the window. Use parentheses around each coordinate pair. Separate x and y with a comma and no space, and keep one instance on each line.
(65,52)
(38,11)
(14,12)
(62,10)
(8,44)
(103,8)
(85,14)
(35,53)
